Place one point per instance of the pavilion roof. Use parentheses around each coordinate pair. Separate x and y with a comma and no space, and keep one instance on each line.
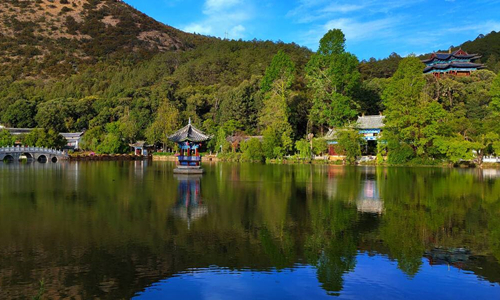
(454,64)
(370,122)
(447,56)
(189,133)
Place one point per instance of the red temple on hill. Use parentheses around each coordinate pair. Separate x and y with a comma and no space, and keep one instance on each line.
(458,63)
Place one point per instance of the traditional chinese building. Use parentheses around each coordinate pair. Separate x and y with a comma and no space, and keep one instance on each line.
(189,139)
(141,148)
(458,63)
(368,126)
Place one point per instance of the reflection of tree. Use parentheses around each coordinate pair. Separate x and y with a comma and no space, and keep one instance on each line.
(280,251)
(106,233)
(331,245)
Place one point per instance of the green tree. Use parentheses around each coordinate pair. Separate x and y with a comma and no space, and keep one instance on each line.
(455,148)
(113,142)
(92,138)
(349,144)
(495,94)
(319,146)
(304,148)
(252,150)
(333,77)
(166,122)
(281,67)
(275,113)
(54,114)
(412,120)
(44,138)
(20,114)
(6,139)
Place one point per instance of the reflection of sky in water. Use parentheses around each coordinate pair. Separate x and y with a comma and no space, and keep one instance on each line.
(375,277)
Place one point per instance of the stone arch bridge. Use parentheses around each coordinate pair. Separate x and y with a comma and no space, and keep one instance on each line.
(32,153)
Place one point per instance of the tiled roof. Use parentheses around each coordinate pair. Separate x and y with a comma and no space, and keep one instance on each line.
(370,122)
(454,64)
(189,133)
(331,135)
(447,56)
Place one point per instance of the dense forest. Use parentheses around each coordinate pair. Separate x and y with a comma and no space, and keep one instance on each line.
(103,67)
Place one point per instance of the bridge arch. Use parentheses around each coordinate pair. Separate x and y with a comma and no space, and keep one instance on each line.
(28,155)
(53,159)
(8,158)
(42,158)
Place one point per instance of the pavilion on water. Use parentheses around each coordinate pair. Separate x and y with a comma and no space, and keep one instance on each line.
(189,139)
(458,63)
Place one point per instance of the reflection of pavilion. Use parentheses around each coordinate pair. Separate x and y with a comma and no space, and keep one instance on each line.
(369,199)
(189,206)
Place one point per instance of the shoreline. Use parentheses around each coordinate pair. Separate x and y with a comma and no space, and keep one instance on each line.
(334,162)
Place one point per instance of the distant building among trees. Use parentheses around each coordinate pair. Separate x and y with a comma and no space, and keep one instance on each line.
(369,129)
(458,63)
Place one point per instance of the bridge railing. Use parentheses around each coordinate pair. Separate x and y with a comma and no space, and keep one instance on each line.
(21,149)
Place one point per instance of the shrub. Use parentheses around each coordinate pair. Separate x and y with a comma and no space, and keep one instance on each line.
(252,150)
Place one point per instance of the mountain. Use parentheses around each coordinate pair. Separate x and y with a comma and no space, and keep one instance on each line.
(53,37)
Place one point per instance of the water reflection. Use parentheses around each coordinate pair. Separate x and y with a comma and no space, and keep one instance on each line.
(189,206)
(92,230)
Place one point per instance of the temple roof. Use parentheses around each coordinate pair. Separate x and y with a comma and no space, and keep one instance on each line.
(370,122)
(447,56)
(454,64)
(189,133)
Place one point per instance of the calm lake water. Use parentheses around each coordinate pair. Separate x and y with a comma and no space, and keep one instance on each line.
(120,230)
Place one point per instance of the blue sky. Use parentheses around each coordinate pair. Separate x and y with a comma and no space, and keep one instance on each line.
(372,28)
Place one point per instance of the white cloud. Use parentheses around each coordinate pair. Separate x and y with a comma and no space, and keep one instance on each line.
(237,31)
(223,18)
(198,28)
(341,8)
(212,6)
(355,30)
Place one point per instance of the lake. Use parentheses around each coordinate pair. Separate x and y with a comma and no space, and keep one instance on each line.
(121,230)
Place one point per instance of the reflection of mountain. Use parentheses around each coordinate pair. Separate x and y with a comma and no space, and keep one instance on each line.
(189,206)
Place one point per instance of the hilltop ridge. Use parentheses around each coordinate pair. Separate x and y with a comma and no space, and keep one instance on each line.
(54,37)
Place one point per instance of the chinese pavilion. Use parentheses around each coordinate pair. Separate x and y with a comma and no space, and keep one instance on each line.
(189,140)
(458,63)
(370,127)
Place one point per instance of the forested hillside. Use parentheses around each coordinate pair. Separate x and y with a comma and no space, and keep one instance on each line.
(47,38)
(123,77)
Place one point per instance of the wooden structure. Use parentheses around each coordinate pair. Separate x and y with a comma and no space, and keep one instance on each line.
(190,140)
(457,63)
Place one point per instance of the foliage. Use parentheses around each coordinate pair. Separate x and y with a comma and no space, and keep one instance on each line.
(281,67)
(304,148)
(166,123)
(20,114)
(455,149)
(319,146)
(412,119)
(113,142)
(349,144)
(44,138)
(277,142)
(334,79)
(6,139)
(252,150)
